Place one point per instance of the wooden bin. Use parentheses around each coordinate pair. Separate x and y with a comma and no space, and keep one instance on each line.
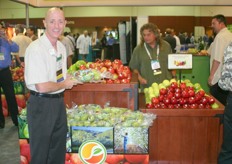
(190,136)
(118,95)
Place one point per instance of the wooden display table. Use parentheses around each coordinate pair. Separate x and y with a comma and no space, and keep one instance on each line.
(119,95)
(189,136)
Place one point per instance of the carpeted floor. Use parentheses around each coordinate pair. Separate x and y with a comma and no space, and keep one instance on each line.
(9,144)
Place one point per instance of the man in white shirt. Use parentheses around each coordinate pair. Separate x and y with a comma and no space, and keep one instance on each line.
(221,41)
(83,43)
(23,42)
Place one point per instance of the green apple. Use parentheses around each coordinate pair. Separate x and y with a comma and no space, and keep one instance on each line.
(161,85)
(166,83)
(189,84)
(215,106)
(197,86)
(172,80)
(154,85)
(25,131)
(187,81)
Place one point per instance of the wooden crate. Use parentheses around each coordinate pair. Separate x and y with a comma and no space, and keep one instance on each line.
(118,95)
(190,136)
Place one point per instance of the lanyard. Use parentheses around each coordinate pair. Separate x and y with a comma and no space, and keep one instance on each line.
(148,53)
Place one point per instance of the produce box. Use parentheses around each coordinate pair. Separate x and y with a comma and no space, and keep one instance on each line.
(125,141)
(120,91)
(120,95)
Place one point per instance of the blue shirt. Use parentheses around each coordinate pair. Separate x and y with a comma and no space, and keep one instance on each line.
(6,48)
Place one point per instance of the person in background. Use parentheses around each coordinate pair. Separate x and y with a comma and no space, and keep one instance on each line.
(170,39)
(225,155)
(150,58)
(182,38)
(68,46)
(104,46)
(178,45)
(221,41)
(71,40)
(110,42)
(192,39)
(31,33)
(23,42)
(6,81)
(82,44)
(187,38)
(46,77)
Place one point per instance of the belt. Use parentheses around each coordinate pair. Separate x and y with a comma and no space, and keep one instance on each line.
(57,95)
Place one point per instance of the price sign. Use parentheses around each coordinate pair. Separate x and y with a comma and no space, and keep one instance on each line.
(180,61)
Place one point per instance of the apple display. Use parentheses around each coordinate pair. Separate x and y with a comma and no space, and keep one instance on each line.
(178,95)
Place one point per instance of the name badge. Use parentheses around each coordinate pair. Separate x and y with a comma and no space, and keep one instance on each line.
(2,56)
(59,73)
(155,65)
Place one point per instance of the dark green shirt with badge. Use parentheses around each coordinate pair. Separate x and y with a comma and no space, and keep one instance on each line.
(141,61)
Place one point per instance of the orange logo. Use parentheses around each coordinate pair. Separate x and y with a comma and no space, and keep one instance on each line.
(92,152)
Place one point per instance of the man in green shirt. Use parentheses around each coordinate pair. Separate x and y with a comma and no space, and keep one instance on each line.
(150,58)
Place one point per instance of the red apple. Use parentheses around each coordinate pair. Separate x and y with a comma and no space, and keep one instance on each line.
(174,85)
(113,159)
(107,63)
(201,92)
(135,158)
(163,91)
(23,160)
(25,151)
(204,100)
(21,101)
(161,98)
(67,157)
(185,106)
(109,81)
(4,103)
(171,106)
(167,100)
(177,95)
(155,100)
(117,81)
(82,67)
(103,69)
(156,106)
(191,93)
(183,85)
(111,70)
(125,81)
(211,100)
(173,100)
(5,111)
(201,106)
(185,93)
(191,100)
(75,159)
(149,105)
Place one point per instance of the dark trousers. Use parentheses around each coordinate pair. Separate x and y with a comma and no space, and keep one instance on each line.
(218,93)
(225,155)
(6,83)
(47,123)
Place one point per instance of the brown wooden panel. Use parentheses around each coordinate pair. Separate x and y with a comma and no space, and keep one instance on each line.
(185,140)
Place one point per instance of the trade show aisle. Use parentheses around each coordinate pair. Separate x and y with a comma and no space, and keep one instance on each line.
(9,144)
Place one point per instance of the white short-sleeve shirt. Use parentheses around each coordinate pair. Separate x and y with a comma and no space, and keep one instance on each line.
(41,62)
(221,41)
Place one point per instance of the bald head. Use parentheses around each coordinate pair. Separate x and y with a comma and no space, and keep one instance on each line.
(54,22)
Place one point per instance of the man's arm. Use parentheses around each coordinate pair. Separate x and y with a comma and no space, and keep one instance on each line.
(214,68)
